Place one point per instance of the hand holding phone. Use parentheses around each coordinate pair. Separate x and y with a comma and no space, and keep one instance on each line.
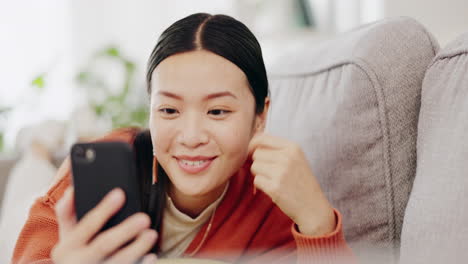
(80,242)
(99,218)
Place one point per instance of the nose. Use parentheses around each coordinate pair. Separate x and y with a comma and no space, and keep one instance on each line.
(192,132)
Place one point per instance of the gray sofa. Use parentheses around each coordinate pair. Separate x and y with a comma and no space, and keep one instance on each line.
(6,163)
(379,113)
(435,225)
(377,110)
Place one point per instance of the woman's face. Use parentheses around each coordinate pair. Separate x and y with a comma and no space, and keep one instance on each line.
(202,119)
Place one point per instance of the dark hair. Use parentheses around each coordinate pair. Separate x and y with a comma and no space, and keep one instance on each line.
(224,36)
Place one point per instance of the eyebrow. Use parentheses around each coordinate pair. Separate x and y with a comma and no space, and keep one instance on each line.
(208,97)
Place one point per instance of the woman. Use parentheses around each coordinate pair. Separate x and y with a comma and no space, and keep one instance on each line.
(223,189)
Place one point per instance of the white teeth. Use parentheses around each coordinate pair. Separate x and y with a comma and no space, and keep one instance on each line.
(197,163)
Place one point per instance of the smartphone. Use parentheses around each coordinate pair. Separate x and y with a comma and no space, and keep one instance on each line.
(99,167)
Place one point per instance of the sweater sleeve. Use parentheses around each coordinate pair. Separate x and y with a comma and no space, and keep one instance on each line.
(329,248)
(40,232)
(278,240)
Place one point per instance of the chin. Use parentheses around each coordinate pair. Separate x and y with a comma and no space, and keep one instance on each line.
(190,184)
(195,187)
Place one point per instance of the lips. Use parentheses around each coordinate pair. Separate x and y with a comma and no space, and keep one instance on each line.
(194,164)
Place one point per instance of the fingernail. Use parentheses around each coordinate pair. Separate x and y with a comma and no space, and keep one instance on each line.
(142,220)
(150,234)
(116,195)
(151,258)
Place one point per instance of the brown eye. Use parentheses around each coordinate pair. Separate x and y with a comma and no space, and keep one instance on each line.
(218,112)
(168,111)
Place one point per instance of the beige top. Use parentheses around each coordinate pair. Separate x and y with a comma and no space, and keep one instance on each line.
(179,229)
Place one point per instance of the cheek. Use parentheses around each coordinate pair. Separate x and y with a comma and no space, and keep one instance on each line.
(160,135)
(234,137)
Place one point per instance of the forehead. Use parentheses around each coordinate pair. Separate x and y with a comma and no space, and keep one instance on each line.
(200,72)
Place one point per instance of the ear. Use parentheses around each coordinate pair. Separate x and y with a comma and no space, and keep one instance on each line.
(260,119)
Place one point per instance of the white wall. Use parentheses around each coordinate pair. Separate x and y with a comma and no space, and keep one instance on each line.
(133,26)
(35,37)
(445,19)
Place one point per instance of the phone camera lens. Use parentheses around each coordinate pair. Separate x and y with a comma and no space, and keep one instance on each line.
(90,155)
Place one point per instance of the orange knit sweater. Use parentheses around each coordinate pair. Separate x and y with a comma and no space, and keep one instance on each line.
(247,227)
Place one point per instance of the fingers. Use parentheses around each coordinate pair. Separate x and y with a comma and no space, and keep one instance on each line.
(265,140)
(65,212)
(264,155)
(266,169)
(264,184)
(131,253)
(96,218)
(149,259)
(110,240)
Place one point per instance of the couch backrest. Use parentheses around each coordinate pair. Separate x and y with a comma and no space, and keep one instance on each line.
(7,163)
(436,219)
(352,103)
(5,167)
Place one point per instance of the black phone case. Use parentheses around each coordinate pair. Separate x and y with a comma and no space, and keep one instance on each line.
(113,165)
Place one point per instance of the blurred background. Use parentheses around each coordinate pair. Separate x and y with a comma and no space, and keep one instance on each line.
(82,63)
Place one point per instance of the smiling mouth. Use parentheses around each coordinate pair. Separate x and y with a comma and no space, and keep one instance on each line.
(194,165)
(197,163)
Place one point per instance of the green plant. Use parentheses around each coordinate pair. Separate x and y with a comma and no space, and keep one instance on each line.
(37,83)
(110,104)
(114,105)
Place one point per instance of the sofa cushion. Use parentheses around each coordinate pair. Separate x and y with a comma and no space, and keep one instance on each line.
(437,216)
(352,103)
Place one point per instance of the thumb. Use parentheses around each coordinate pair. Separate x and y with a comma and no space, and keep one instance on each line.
(65,212)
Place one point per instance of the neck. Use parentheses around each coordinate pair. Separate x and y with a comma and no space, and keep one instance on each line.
(194,205)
